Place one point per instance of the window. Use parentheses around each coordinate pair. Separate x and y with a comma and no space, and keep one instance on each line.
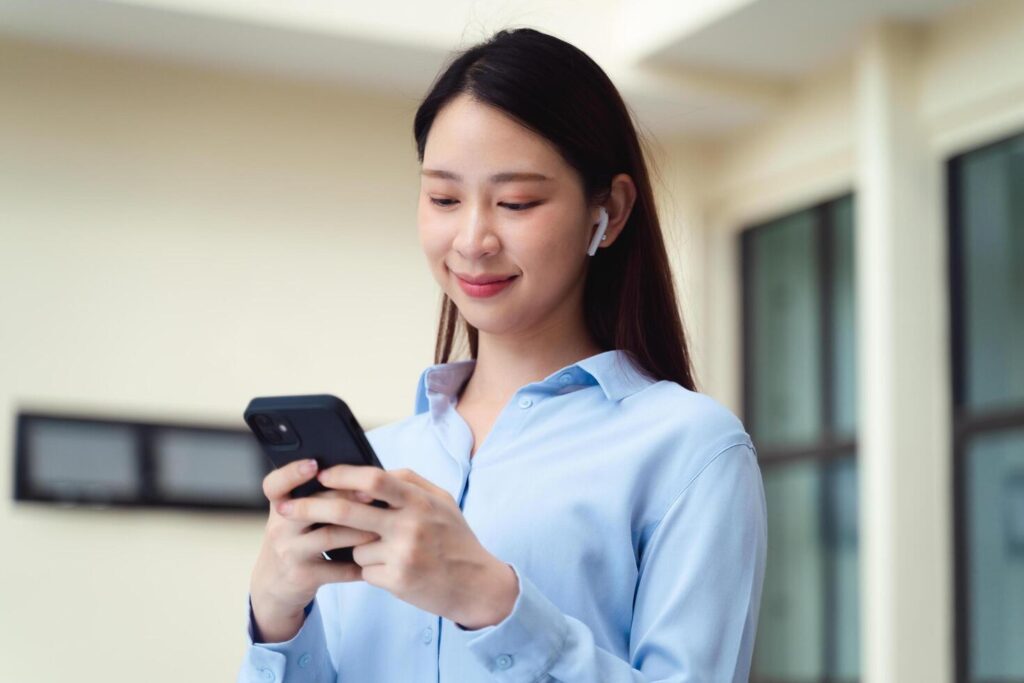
(800,408)
(86,460)
(985,188)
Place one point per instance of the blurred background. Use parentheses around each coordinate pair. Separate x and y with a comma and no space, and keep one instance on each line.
(209,200)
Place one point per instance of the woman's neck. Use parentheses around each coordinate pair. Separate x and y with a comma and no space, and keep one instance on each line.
(505,364)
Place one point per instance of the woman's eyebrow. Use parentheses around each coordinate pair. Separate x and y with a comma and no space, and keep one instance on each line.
(506,177)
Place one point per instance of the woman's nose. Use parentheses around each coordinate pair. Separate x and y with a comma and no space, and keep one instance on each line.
(476,236)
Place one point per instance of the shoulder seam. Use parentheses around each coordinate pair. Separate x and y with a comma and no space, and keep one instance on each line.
(679,496)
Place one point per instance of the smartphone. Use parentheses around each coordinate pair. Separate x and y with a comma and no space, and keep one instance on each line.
(317,426)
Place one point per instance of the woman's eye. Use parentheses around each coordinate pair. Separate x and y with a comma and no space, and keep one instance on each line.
(521,207)
(511,206)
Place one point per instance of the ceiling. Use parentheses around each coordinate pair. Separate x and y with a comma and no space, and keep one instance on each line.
(700,69)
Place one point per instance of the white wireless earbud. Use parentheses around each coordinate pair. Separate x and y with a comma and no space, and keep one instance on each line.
(599,235)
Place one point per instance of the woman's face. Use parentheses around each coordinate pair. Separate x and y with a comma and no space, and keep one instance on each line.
(533,230)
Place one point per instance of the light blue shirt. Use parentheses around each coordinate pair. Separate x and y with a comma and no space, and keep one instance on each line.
(632,512)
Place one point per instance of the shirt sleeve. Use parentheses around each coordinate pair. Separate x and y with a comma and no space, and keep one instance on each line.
(303,659)
(698,595)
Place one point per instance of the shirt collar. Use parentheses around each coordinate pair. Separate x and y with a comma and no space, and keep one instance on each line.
(612,370)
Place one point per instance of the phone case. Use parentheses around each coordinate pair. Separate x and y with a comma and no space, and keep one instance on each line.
(318,426)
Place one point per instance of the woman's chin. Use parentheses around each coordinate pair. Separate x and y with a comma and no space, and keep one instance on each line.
(493,322)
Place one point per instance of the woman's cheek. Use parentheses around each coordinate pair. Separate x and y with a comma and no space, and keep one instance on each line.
(556,252)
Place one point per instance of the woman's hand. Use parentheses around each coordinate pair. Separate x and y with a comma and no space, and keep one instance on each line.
(426,554)
(290,568)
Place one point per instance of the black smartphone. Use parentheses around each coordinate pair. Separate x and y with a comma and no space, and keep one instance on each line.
(317,426)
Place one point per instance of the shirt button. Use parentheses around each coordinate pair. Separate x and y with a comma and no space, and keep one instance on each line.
(525,402)
(503,661)
(428,635)
(304,660)
(564,378)
(266,674)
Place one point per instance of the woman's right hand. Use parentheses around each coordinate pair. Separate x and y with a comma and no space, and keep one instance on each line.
(290,567)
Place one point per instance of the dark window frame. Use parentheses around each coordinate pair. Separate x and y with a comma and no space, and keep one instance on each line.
(966,424)
(829,447)
(143,433)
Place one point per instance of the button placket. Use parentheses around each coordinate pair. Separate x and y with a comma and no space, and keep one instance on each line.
(507,424)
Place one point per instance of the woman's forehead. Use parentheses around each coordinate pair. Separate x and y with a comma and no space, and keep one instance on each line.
(467,133)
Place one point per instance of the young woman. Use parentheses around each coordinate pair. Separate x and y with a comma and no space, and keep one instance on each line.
(564,505)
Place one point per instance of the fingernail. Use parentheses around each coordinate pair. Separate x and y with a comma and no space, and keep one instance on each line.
(285,508)
(308,467)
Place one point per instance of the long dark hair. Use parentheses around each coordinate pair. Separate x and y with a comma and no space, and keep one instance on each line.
(556,90)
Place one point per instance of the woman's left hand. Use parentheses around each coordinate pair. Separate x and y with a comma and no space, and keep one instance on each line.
(426,554)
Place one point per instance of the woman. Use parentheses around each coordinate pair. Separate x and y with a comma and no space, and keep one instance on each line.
(564,505)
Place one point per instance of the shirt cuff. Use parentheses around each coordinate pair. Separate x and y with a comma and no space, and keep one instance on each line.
(304,657)
(255,637)
(526,643)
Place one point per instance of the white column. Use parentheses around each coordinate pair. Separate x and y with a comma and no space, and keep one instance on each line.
(903,373)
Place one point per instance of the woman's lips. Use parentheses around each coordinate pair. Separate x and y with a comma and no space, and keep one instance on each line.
(485,290)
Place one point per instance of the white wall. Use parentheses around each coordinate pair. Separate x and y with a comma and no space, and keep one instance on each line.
(800,157)
(964,80)
(971,90)
(172,243)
